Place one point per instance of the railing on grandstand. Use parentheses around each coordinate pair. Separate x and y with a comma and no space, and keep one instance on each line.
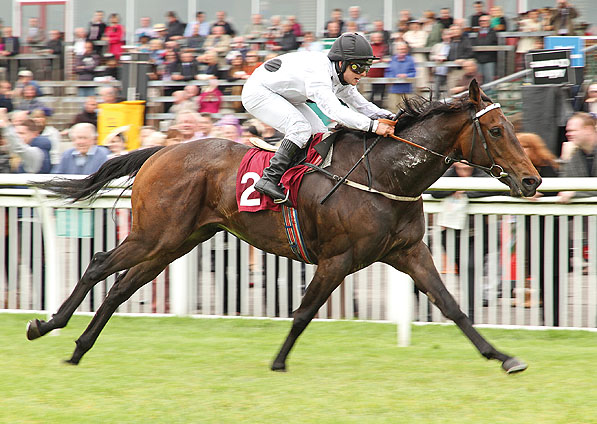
(509,245)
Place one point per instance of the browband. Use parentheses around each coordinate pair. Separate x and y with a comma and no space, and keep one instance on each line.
(487,109)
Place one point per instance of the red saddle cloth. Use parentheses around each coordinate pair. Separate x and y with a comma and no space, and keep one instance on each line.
(251,169)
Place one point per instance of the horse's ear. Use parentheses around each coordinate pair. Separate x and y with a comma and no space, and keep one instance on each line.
(474,92)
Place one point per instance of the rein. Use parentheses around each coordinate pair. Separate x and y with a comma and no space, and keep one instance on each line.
(448,159)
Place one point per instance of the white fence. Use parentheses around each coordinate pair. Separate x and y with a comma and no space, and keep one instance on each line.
(515,261)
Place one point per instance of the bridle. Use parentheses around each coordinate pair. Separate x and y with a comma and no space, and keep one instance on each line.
(495,170)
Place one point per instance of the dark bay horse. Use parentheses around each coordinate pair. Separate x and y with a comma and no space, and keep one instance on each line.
(184,194)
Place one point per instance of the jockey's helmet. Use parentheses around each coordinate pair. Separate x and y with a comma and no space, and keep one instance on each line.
(351,48)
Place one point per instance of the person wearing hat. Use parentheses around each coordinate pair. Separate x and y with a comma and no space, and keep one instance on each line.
(277,93)
(24,78)
(161,32)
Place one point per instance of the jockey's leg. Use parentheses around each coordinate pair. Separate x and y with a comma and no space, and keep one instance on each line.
(287,118)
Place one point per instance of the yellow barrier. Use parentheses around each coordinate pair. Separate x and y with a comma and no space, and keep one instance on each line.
(115,115)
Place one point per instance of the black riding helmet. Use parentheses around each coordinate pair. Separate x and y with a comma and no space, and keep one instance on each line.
(350,47)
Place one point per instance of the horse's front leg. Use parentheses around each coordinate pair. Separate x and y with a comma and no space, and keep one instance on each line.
(329,275)
(418,263)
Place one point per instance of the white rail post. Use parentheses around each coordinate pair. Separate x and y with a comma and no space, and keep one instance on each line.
(179,286)
(400,303)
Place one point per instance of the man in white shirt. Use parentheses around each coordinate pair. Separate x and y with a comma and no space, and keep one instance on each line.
(277,92)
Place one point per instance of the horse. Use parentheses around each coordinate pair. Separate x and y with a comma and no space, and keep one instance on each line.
(184,194)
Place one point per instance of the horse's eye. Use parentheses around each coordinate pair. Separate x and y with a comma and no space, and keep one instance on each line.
(495,132)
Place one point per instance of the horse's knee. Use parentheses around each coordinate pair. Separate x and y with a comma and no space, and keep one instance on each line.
(95,270)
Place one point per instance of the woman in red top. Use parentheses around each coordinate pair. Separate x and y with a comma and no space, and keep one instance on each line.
(114,35)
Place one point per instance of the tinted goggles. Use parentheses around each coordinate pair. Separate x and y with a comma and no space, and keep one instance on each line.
(359,67)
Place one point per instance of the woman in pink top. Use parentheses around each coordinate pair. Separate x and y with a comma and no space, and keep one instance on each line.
(115,35)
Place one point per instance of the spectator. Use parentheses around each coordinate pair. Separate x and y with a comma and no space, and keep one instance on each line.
(188,125)
(434,29)
(210,98)
(97,27)
(355,15)
(532,23)
(404,18)
(205,125)
(170,68)
(25,77)
(445,18)
(590,102)
(155,138)
(310,44)
(498,21)
(562,18)
(145,30)
(35,34)
(487,60)
(288,41)
(336,16)
(55,44)
(218,41)
(161,32)
(86,67)
(402,65)
(274,32)
(24,141)
(89,113)
(380,49)
(112,70)
(79,41)
(416,38)
(439,54)
(199,25)
(175,27)
(460,49)
(144,132)
(471,72)
(256,28)
(221,22)
(351,26)
(230,128)
(187,68)
(237,46)
(191,92)
(29,101)
(546,19)
(116,143)
(333,30)
(208,66)
(378,27)
(108,95)
(40,117)
(479,11)
(10,45)
(581,132)
(181,103)
(6,96)
(252,62)
(296,27)
(114,34)
(195,40)
(85,157)
(156,51)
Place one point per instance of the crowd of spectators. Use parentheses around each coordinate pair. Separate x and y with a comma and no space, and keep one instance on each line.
(215,51)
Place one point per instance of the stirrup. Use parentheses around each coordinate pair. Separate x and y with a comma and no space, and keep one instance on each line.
(285,201)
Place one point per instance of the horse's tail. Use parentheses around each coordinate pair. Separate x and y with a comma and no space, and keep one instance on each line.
(89,187)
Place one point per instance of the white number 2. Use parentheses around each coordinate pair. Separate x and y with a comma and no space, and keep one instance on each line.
(244,197)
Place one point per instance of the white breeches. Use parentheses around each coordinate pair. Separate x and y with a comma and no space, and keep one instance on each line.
(296,121)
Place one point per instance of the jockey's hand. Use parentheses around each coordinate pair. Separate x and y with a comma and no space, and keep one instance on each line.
(384,129)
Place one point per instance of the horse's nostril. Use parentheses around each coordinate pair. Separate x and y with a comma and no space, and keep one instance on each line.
(531,182)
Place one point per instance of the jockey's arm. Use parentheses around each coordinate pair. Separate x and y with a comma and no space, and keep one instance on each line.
(351,96)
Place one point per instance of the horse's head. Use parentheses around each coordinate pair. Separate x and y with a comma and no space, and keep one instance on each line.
(491,142)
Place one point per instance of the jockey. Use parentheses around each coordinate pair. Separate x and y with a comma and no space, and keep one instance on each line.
(277,91)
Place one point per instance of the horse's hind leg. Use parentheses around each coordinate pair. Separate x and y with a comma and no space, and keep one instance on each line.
(328,276)
(418,263)
(102,265)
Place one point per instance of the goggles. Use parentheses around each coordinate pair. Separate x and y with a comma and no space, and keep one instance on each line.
(359,67)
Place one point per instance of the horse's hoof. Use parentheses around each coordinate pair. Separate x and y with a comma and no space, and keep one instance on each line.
(514,365)
(279,367)
(71,362)
(33,331)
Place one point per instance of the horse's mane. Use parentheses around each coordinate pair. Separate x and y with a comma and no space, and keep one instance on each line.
(418,108)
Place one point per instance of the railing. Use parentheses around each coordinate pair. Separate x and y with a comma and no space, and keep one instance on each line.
(514,262)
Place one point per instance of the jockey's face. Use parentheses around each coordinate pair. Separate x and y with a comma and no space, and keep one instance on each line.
(352,77)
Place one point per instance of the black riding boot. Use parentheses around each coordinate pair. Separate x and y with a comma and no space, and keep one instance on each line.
(269,184)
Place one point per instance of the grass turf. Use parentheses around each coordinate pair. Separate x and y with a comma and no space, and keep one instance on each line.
(184,370)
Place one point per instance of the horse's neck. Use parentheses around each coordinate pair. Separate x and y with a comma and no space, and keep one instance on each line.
(413,170)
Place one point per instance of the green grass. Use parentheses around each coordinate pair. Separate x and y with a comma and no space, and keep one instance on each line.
(179,370)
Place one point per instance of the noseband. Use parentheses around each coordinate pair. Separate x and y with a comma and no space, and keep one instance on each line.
(495,170)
